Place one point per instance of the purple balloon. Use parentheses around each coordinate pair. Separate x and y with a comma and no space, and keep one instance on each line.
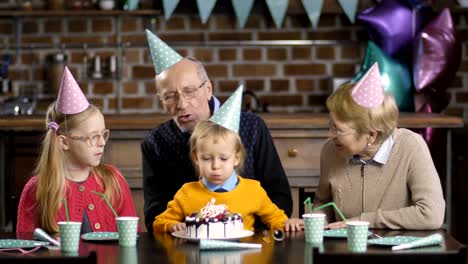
(437,54)
(390,25)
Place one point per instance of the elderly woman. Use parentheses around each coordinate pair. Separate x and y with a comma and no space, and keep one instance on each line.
(372,170)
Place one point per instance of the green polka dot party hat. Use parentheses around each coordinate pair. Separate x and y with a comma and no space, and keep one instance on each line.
(228,115)
(163,56)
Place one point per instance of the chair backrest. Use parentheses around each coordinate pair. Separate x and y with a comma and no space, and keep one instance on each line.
(18,259)
(14,211)
(385,258)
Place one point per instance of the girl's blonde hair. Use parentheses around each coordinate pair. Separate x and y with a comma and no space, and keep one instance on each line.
(208,129)
(382,118)
(52,185)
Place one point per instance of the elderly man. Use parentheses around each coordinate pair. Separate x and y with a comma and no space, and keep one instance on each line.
(185,91)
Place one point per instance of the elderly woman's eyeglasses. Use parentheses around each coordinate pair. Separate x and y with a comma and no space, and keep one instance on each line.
(336,132)
(92,140)
(187,93)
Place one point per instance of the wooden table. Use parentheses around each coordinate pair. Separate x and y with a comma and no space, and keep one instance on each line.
(166,249)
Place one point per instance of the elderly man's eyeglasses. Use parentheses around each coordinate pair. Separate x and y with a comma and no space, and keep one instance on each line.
(187,93)
(336,132)
(92,140)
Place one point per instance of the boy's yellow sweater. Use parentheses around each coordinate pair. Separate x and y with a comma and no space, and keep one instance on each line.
(248,199)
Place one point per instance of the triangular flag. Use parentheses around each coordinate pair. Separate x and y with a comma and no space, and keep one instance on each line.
(350,8)
(169,6)
(313,9)
(228,115)
(278,10)
(242,9)
(131,5)
(163,56)
(205,7)
(369,91)
(70,99)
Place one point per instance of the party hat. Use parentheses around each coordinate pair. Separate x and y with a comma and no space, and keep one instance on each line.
(71,99)
(228,115)
(434,239)
(209,244)
(163,56)
(368,92)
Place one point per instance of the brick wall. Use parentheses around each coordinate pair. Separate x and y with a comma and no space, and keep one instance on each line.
(287,78)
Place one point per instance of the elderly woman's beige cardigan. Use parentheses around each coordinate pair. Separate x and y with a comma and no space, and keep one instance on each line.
(404,193)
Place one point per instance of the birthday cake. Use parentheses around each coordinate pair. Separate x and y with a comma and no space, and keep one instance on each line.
(214,221)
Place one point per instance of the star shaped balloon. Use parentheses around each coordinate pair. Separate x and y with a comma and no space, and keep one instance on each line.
(437,54)
(396,77)
(390,25)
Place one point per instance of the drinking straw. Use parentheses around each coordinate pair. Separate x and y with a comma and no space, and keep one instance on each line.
(309,203)
(334,206)
(107,201)
(64,200)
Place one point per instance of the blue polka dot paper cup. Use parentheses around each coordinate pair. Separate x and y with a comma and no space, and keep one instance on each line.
(313,228)
(69,233)
(127,227)
(357,236)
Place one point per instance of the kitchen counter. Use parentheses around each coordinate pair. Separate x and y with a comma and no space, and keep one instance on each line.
(273,120)
(298,138)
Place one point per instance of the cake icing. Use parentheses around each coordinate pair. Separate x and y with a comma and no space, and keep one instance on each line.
(214,221)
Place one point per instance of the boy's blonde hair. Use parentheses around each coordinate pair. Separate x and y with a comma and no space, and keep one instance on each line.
(382,118)
(52,185)
(208,129)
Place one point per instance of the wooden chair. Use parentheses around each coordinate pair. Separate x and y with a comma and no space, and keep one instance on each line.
(18,259)
(13,211)
(302,196)
(390,258)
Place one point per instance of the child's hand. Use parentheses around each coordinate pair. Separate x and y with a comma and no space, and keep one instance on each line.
(178,227)
(294,224)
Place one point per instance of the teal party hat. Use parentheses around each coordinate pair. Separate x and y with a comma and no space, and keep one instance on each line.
(228,115)
(163,56)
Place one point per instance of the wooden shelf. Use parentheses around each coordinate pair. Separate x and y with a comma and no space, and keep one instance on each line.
(90,12)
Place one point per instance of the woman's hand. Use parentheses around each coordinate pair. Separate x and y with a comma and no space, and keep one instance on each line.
(293,225)
(341,224)
(178,227)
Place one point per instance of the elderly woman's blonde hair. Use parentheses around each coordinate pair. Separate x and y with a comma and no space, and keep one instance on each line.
(381,119)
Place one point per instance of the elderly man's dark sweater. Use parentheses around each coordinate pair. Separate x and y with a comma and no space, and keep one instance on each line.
(167,165)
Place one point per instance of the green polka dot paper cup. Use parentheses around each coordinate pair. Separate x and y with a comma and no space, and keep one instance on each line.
(313,228)
(127,227)
(69,233)
(357,236)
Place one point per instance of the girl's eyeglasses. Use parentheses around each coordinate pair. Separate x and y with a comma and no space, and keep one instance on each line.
(93,140)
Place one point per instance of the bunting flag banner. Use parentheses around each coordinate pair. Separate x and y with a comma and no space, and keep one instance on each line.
(131,5)
(350,8)
(278,10)
(169,6)
(242,9)
(205,7)
(313,9)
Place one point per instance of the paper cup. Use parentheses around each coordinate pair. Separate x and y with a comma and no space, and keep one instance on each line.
(313,227)
(127,227)
(69,233)
(357,236)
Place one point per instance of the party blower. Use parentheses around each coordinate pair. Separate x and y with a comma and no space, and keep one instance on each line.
(43,236)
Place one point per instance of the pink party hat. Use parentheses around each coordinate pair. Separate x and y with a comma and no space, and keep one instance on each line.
(369,92)
(71,99)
